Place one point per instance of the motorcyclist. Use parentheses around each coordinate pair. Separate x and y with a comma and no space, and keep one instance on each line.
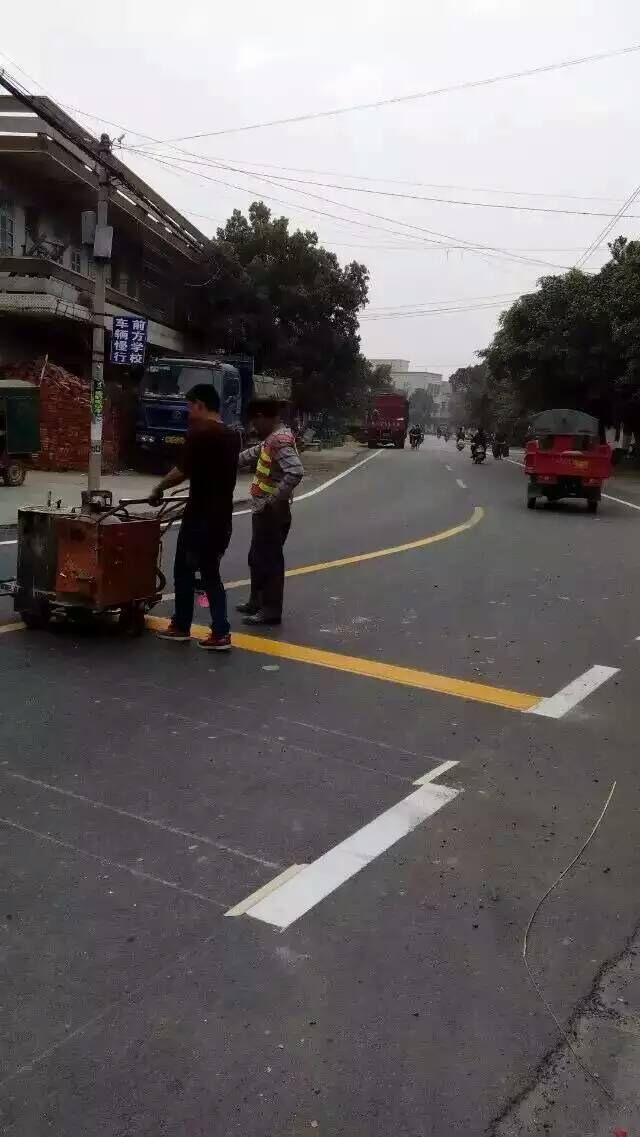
(500,439)
(479,440)
(460,434)
(414,435)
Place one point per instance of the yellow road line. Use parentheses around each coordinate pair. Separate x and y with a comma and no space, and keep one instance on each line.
(358,558)
(372,669)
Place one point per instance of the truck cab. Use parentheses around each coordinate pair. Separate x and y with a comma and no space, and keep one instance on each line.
(162,418)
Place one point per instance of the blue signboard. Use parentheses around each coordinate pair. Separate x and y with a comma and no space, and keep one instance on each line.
(128,340)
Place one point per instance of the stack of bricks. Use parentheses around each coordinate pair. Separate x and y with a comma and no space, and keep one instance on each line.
(65,418)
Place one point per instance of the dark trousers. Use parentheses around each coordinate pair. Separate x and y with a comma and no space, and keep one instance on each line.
(269,531)
(199,549)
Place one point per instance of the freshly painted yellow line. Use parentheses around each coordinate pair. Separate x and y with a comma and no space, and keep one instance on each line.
(371,669)
(358,558)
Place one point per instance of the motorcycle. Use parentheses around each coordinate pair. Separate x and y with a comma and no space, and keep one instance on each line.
(500,450)
(478,454)
(415,441)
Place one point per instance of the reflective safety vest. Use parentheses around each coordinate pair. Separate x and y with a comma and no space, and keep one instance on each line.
(266,480)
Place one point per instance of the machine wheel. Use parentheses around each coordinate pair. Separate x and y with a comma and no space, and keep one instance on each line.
(36,618)
(531,502)
(372,445)
(131,620)
(592,505)
(14,473)
(400,445)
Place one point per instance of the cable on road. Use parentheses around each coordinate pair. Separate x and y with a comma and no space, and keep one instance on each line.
(525,945)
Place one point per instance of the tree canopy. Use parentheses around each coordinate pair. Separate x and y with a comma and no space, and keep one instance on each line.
(574,342)
(281,297)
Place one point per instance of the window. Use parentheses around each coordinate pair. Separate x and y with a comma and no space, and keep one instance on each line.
(76,260)
(6,228)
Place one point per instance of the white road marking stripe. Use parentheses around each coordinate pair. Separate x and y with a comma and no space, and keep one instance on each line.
(259,893)
(461,483)
(325,485)
(291,900)
(621,501)
(435,773)
(447,467)
(609,497)
(301,497)
(557,705)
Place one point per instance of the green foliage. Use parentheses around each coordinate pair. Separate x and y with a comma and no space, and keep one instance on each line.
(573,342)
(281,297)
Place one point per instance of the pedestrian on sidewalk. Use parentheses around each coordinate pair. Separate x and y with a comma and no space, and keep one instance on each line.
(209,459)
(278,470)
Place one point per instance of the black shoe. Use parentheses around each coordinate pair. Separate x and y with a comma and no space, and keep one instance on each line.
(255,619)
(247,608)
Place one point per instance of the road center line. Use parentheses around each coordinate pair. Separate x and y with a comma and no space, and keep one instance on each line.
(459,482)
(359,558)
(285,904)
(568,697)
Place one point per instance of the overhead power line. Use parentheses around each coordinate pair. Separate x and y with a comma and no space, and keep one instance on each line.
(434,236)
(602,236)
(422,305)
(409,182)
(293,182)
(435,311)
(471,84)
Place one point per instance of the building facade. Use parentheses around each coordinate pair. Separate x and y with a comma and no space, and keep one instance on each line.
(408,380)
(47,180)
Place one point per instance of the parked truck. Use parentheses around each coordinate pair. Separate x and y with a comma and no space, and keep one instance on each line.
(162,415)
(388,421)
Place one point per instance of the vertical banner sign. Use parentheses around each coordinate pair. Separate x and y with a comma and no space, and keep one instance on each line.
(128,340)
(97,404)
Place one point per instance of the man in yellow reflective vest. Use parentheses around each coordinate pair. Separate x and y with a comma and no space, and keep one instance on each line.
(278,470)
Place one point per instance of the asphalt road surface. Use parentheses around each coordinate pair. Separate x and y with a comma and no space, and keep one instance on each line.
(285,892)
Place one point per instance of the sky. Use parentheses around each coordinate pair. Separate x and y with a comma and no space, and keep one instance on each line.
(565,140)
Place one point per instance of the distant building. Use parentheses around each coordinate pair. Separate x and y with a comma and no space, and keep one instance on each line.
(408,380)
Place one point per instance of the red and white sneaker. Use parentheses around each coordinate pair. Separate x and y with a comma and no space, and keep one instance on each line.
(215,643)
(174,633)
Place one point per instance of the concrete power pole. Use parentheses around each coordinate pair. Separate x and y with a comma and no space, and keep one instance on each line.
(101,257)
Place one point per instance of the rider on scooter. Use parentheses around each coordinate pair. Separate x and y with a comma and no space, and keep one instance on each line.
(479,440)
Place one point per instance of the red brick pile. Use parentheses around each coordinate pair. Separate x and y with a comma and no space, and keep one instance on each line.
(65,418)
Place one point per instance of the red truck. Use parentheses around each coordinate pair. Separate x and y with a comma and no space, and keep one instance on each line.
(388,421)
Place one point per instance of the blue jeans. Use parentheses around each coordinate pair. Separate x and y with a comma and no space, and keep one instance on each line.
(199,550)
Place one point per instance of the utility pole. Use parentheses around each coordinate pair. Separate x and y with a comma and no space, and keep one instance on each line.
(101,257)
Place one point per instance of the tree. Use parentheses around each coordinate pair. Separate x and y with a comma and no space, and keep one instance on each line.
(555,346)
(281,297)
(471,396)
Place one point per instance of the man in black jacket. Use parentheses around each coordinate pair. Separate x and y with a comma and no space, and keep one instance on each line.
(209,459)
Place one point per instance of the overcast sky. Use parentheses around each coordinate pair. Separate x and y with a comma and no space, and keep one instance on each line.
(166,70)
